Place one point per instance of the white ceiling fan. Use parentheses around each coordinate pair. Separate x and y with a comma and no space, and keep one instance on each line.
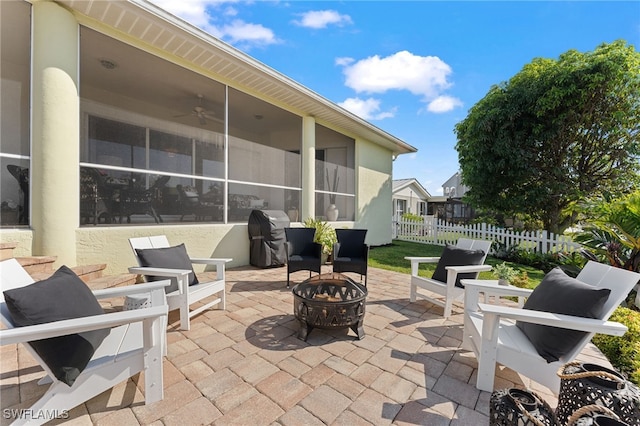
(201,112)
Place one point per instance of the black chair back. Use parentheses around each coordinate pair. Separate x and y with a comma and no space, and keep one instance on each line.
(300,240)
(351,242)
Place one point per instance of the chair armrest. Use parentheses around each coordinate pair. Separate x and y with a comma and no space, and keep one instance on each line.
(473,288)
(131,289)
(335,250)
(416,261)
(422,259)
(78,325)
(160,272)
(589,325)
(220,263)
(498,290)
(181,275)
(317,248)
(468,268)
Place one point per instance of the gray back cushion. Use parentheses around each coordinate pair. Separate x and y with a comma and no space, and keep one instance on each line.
(454,256)
(170,258)
(62,296)
(561,294)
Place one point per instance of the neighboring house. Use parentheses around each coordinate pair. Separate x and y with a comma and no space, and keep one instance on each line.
(409,196)
(450,206)
(120,119)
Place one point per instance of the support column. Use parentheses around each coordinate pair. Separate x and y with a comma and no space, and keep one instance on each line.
(55,143)
(308,168)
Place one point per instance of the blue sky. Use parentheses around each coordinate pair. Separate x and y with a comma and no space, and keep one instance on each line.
(411,68)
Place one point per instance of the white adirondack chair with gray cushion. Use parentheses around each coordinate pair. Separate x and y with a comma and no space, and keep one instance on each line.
(132,345)
(490,331)
(444,293)
(183,295)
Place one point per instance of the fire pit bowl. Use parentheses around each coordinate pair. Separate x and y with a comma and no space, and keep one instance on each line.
(329,301)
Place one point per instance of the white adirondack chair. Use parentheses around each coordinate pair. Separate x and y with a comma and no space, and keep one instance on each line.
(490,330)
(133,345)
(445,293)
(186,295)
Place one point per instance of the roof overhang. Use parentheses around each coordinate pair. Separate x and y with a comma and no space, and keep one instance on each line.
(160,30)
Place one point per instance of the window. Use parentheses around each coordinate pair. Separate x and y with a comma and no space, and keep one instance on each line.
(264,157)
(335,175)
(15,77)
(401,207)
(156,146)
(422,208)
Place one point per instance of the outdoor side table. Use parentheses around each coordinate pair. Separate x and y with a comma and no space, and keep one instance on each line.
(132,302)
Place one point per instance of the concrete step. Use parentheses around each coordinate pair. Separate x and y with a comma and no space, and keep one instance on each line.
(6,250)
(112,281)
(41,267)
(37,265)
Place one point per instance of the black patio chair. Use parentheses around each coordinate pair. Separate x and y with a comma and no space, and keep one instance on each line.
(303,254)
(350,253)
(136,199)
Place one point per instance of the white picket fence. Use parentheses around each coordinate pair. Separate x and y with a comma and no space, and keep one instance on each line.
(436,231)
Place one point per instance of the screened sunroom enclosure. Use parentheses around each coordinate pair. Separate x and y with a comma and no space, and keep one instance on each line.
(162,144)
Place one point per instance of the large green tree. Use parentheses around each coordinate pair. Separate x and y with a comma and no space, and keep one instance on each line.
(555,133)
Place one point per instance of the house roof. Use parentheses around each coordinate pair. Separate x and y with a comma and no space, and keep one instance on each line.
(399,184)
(164,34)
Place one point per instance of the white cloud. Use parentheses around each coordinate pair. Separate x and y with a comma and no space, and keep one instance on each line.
(318,19)
(368,109)
(424,76)
(420,75)
(240,31)
(344,61)
(213,17)
(443,103)
(193,11)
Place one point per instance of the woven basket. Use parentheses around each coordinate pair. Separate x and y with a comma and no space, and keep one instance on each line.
(595,415)
(591,384)
(517,407)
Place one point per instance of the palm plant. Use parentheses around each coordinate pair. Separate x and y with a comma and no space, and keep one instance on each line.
(614,233)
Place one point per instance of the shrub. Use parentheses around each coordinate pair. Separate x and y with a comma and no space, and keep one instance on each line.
(624,351)
(325,234)
(521,280)
(411,217)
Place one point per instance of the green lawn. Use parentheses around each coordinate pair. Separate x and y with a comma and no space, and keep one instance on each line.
(392,257)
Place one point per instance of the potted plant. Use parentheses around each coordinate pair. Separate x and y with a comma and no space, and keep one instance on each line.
(504,273)
(325,235)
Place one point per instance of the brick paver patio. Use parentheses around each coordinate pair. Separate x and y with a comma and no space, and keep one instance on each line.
(245,366)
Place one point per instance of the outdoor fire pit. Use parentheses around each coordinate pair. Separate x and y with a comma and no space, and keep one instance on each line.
(329,301)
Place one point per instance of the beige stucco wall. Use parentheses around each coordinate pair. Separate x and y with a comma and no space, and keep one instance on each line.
(373,191)
(110,245)
(21,238)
